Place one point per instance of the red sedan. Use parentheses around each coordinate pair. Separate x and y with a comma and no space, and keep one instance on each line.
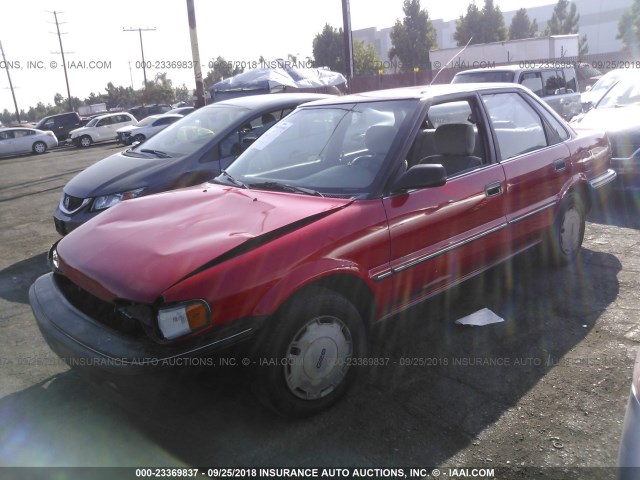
(346,212)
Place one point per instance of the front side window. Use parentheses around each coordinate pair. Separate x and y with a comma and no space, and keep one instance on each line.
(518,127)
(533,81)
(335,150)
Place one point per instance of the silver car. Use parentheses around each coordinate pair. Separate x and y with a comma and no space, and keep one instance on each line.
(146,128)
(557,86)
(25,140)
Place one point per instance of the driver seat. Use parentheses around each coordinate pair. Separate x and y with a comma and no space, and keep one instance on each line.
(455,144)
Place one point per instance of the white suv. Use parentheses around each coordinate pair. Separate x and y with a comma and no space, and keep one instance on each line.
(101,129)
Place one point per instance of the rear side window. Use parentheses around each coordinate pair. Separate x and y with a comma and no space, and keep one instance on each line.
(571,83)
(519,128)
(553,82)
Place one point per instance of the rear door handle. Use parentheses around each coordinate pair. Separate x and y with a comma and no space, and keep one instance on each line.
(559,165)
(493,189)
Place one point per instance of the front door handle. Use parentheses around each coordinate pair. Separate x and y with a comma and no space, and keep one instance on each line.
(493,189)
(559,165)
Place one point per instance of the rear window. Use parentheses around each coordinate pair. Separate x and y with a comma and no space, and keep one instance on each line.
(490,76)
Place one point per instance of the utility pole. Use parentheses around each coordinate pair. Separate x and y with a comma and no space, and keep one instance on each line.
(144,66)
(348,43)
(13,93)
(195,54)
(64,64)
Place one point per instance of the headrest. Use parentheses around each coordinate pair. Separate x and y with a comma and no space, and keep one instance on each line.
(379,137)
(455,139)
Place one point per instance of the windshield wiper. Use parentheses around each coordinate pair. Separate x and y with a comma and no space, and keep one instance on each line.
(157,153)
(283,187)
(234,180)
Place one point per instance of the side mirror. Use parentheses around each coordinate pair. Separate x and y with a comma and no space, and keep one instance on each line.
(421,176)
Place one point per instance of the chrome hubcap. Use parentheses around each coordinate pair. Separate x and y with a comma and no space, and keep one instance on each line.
(570,232)
(317,357)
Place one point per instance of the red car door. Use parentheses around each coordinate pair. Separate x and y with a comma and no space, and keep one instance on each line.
(442,235)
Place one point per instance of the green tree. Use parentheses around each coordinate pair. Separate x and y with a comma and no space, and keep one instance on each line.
(481,26)
(183,94)
(219,69)
(629,28)
(365,58)
(493,28)
(565,20)
(469,26)
(521,26)
(328,49)
(412,38)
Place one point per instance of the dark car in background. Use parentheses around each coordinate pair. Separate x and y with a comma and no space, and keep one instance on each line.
(618,112)
(61,124)
(144,111)
(194,149)
(556,86)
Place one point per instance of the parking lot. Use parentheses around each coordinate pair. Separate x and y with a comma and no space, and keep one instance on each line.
(541,395)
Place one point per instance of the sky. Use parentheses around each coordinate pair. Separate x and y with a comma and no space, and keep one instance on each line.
(98,51)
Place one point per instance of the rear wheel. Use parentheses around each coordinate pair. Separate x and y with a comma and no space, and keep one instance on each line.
(567,233)
(39,147)
(85,141)
(307,360)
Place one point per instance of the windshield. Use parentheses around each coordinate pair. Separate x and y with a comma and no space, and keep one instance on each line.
(193,131)
(484,77)
(92,122)
(625,92)
(337,150)
(605,83)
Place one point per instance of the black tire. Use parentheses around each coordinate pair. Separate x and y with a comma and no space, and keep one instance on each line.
(39,148)
(567,232)
(138,138)
(85,141)
(306,360)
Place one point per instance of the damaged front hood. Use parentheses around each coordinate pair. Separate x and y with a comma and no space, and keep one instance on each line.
(139,248)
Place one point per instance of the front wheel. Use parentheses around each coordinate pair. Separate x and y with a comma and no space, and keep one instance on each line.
(138,138)
(39,147)
(567,233)
(308,359)
(85,141)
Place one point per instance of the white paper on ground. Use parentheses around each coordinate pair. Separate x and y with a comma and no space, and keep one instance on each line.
(480,318)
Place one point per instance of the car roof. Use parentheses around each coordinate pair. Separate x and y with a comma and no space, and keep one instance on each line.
(420,92)
(269,100)
(8,129)
(110,114)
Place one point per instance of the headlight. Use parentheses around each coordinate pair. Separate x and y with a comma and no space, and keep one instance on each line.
(180,320)
(107,201)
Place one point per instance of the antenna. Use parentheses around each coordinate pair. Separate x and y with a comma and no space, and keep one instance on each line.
(452,59)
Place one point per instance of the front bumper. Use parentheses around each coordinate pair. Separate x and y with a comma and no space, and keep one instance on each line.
(83,342)
(66,223)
